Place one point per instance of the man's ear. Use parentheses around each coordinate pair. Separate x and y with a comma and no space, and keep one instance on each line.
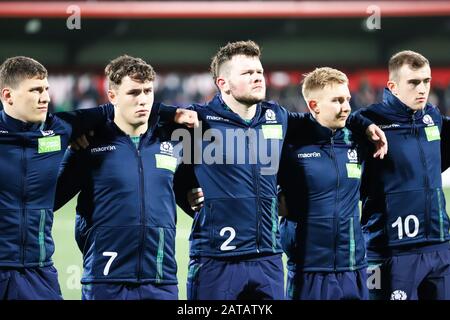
(313,106)
(222,84)
(112,96)
(7,96)
(392,86)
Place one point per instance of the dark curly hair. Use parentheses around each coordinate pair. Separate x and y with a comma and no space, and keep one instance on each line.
(125,65)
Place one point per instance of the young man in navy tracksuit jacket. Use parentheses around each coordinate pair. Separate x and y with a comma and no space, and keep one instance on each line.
(235,243)
(319,178)
(32,145)
(403,206)
(126,211)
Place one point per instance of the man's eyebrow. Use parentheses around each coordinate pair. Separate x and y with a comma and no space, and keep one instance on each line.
(38,87)
(418,79)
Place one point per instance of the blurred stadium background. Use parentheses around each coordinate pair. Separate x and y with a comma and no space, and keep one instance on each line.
(179,38)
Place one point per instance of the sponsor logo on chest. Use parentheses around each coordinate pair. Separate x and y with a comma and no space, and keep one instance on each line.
(270,116)
(166,148)
(428,120)
(166,160)
(352,155)
(49,143)
(48,133)
(431,130)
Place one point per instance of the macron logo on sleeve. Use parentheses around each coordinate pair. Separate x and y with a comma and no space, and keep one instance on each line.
(103,149)
(48,133)
(309,155)
(216,118)
(388,126)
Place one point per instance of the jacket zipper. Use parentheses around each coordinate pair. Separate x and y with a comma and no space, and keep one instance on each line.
(211,228)
(335,220)
(422,157)
(256,181)
(142,207)
(24,224)
(42,251)
(258,230)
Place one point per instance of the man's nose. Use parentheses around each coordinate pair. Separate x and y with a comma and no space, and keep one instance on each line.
(45,97)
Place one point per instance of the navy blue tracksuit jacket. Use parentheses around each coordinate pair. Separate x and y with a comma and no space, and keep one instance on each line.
(240,213)
(126,211)
(29,164)
(402,197)
(320,177)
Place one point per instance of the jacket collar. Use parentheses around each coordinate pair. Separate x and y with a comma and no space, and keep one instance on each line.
(16,125)
(323,134)
(398,107)
(220,107)
(152,123)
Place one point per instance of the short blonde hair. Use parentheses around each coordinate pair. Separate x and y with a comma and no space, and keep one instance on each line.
(321,77)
